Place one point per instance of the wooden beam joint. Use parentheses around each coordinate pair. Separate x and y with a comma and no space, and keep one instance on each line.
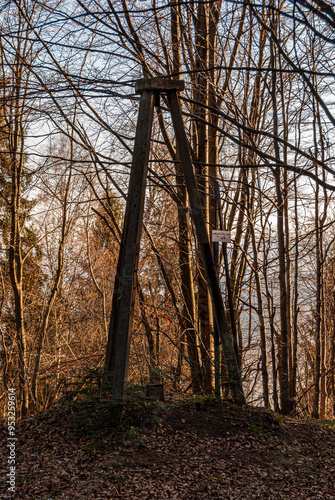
(158,84)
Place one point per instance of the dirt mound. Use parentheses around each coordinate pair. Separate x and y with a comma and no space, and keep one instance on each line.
(196,449)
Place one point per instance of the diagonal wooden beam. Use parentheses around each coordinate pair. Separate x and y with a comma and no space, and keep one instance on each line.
(118,345)
(205,249)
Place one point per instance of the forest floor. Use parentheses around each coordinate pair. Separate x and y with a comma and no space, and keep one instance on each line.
(188,449)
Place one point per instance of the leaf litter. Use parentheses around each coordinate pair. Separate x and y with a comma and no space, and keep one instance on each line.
(171,450)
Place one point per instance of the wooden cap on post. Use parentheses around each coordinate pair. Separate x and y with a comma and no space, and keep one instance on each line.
(160,84)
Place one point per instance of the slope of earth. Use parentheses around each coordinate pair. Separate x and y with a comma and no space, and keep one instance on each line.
(190,450)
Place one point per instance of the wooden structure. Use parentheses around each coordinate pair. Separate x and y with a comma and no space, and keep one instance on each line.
(118,346)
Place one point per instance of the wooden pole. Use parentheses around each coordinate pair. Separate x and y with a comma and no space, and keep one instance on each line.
(205,249)
(118,346)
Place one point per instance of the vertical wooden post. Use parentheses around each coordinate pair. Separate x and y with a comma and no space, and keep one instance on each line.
(206,253)
(118,346)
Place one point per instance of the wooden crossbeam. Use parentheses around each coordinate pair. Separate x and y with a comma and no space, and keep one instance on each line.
(158,84)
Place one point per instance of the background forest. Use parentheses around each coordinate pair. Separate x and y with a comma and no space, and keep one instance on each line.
(258,108)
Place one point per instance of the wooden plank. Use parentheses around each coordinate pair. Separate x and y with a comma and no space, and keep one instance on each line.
(204,246)
(158,84)
(118,346)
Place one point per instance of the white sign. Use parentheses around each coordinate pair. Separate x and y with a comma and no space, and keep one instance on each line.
(221,236)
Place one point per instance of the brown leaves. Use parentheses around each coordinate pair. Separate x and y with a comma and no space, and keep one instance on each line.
(222,452)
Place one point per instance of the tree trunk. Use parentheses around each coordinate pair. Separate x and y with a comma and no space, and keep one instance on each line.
(286,403)
(205,319)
